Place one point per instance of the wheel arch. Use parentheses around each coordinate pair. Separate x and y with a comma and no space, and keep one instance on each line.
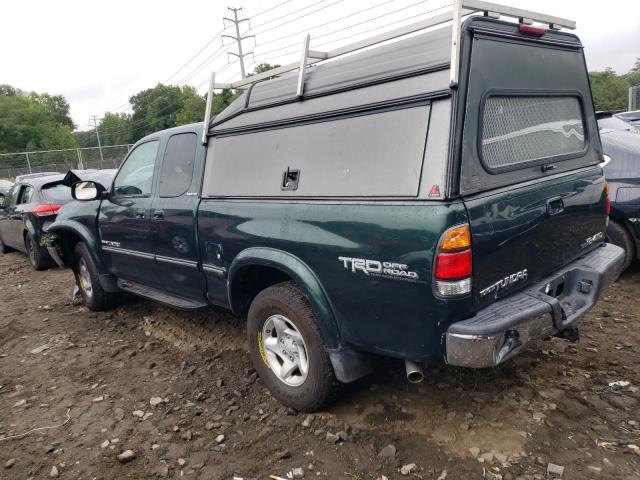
(276,266)
(69,234)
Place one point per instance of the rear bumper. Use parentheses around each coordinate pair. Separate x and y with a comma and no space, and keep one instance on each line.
(505,327)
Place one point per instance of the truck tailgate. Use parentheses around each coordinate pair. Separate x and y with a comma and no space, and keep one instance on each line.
(523,234)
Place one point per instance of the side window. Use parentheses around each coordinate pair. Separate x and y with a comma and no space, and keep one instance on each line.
(25,195)
(177,166)
(136,175)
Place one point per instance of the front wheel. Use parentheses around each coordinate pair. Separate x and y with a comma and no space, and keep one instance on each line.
(287,350)
(87,279)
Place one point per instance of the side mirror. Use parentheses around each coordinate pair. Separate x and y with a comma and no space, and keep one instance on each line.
(85,191)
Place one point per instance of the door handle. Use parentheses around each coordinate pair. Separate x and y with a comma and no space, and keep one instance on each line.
(555,206)
(140,213)
(158,215)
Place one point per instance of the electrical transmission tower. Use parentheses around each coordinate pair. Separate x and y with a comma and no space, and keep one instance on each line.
(238,38)
(95,124)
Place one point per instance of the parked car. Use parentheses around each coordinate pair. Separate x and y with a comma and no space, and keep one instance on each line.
(31,205)
(632,117)
(5,186)
(377,204)
(28,176)
(621,144)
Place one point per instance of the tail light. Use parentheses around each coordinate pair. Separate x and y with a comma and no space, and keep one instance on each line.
(46,209)
(453,262)
(607,200)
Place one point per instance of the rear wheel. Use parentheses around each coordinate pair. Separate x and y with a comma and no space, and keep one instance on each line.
(87,279)
(287,349)
(38,256)
(620,236)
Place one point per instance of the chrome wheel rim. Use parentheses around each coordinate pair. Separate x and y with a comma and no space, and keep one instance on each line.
(285,350)
(85,278)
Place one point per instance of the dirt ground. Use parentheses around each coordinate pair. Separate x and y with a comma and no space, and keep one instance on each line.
(178,390)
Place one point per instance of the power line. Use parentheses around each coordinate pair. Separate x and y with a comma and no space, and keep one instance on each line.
(286,14)
(204,63)
(270,9)
(298,18)
(196,55)
(381,26)
(262,56)
(327,23)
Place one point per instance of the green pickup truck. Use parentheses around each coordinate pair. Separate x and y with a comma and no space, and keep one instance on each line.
(436,199)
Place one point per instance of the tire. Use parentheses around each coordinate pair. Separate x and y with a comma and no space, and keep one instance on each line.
(38,255)
(285,305)
(620,236)
(87,279)
(4,248)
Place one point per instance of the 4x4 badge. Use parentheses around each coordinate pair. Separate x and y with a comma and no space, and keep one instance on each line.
(590,240)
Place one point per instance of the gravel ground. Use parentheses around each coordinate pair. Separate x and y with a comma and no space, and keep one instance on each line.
(143,391)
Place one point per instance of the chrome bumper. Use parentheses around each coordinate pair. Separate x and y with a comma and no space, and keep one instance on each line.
(507,326)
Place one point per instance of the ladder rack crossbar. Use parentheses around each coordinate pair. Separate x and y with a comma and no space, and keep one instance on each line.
(460,9)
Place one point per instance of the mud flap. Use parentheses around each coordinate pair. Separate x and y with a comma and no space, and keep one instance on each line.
(349,364)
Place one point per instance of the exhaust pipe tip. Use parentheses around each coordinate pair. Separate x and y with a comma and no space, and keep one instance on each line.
(414,371)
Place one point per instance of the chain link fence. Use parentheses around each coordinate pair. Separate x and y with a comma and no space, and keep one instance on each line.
(14,164)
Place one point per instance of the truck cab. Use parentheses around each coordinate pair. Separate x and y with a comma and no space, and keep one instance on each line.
(437,199)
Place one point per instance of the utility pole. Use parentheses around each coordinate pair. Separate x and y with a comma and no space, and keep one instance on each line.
(237,21)
(95,124)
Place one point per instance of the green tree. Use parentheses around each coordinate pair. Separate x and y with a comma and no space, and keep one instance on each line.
(633,77)
(610,91)
(263,67)
(115,129)
(32,121)
(155,109)
(193,106)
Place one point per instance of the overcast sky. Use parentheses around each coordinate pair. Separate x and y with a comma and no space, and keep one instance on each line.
(98,54)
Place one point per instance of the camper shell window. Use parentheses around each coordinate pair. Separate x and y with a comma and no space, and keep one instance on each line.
(519,130)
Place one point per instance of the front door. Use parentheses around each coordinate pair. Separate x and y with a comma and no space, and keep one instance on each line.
(173,215)
(125,218)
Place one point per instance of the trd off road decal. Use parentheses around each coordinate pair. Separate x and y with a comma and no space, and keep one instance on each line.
(376,268)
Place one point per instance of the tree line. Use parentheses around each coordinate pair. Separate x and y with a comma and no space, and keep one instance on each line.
(611,91)
(40,121)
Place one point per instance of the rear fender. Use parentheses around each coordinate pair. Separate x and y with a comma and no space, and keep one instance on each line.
(300,272)
(28,226)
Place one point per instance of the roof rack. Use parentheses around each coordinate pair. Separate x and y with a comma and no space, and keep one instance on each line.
(460,9)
